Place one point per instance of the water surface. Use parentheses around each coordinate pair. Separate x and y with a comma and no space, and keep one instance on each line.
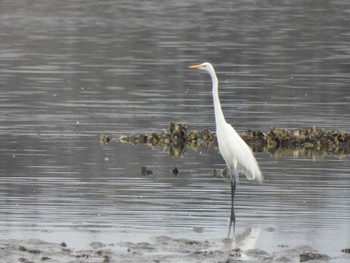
(69,72)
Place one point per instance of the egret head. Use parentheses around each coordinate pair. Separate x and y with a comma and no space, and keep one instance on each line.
(204,66)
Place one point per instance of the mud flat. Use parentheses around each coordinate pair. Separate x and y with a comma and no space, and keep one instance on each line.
(159,249)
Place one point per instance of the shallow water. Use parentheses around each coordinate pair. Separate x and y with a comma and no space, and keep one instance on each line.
(70,72)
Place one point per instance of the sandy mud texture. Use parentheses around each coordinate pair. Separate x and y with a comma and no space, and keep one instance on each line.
(160,249)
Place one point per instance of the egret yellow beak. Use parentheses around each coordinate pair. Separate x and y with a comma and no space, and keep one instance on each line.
(196,66)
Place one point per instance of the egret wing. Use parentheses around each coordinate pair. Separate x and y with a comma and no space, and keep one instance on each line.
(237,154)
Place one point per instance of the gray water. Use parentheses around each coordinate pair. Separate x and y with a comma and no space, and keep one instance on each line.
(74,69)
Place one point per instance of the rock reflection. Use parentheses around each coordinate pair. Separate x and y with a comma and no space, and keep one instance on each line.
(312,142)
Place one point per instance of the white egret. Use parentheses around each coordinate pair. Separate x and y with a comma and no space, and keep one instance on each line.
(238,156)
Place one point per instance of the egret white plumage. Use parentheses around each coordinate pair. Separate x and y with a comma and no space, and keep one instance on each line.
(238,156)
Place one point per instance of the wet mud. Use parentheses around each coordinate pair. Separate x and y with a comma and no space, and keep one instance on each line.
(314,142)
(159,249)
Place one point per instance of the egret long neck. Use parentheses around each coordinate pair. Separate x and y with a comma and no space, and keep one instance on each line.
(219,116)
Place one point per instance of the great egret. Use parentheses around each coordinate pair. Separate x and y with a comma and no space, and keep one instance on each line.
(238,156)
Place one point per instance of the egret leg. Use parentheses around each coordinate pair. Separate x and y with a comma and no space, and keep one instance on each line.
(232,217)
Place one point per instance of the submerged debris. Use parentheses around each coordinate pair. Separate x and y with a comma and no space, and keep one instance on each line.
(175,171)
(176,138)
(145,171)
(105,139)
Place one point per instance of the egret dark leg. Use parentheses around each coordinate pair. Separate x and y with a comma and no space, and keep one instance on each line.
(232,217)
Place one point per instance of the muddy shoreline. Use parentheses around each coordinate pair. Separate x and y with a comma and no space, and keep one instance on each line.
(159,249)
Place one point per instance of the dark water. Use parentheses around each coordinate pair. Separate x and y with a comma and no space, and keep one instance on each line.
(74,69)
